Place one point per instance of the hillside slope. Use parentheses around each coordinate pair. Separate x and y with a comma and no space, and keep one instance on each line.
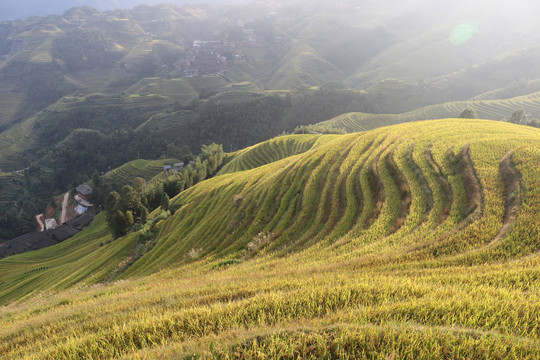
(414,241)
(486,109)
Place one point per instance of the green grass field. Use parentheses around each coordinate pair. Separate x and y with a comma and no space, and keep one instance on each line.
(13,142)
(415,241)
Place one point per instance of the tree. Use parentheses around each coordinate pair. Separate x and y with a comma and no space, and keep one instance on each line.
(154,196)
(214,154)
(112,201)
(534,123)
(131,201)
(468,113)
(129,219)
(118,224)
(165,202)
(141,188)
(83,49)
(518,117)
(144,215)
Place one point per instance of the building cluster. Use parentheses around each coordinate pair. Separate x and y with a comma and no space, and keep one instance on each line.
(175,168)
(51,233)
(42,239)
(83,193)
(214,57)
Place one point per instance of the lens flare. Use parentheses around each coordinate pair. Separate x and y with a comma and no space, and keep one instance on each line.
(463,32)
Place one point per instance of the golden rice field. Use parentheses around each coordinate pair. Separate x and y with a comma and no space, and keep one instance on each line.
(415,241)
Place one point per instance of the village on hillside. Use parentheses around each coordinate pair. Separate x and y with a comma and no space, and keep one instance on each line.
(76,215)
(207,58)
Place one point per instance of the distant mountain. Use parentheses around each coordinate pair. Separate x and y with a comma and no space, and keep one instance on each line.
(17,9)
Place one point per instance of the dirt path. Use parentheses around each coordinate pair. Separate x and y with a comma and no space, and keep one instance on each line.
(40,222)
(64,208)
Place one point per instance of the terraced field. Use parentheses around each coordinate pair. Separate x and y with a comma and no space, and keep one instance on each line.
(134,101)
(302,66)
(11,104)
(415,241)
(271,151)
(486,109)
(20,137)
(13,142)
(175,89)
(146,169)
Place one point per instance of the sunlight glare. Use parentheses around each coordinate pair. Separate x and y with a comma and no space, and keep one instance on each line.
(463,32)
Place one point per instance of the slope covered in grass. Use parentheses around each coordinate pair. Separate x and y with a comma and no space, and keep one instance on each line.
(412,241)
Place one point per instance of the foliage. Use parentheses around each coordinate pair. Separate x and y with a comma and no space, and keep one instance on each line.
(164,202)
(132,206)
(318,129)
(242,122)
(518,117)
(468,113)
(83,49)
(43,84)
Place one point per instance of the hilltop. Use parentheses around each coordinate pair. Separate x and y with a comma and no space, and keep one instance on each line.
(418,240)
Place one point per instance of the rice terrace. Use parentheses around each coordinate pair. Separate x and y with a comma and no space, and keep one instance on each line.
(414,241)
(269,179)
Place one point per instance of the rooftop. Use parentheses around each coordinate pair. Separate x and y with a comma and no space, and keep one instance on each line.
(84,189)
